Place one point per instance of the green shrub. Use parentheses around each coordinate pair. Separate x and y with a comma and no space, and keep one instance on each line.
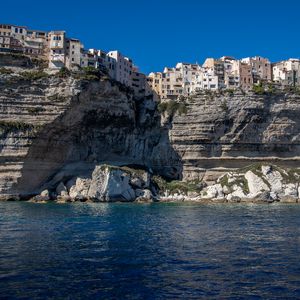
(176,186)
(171,107)
(239,181)
(224,106)
(33,75)
(16,125)
(41,63)
(258,89)
(229,91)
(63,72)
(35,110)
(5,71)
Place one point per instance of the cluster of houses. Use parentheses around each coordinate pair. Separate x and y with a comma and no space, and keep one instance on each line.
(184,79)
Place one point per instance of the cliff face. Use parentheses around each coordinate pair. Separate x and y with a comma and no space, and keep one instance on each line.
(231,130)
(67,126)
(52,123)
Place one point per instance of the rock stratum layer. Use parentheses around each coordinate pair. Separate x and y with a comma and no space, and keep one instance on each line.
(67,126)
(234,129)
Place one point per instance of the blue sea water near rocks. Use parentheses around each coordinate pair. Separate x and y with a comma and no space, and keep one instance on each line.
(149,251)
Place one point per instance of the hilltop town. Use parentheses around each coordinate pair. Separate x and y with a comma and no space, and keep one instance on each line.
(59,51)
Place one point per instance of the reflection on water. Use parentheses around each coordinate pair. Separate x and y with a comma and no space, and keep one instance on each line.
(158,251)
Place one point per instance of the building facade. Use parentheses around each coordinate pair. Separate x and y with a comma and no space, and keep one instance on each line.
(287,72)
(123,67)
(57,49)
(261,68)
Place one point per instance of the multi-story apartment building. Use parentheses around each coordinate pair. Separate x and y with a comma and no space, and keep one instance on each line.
(74,50)
(189,73)
(261,68)
(155,82)
(287,72)
(172,83)
(104,62)
(57,49)
(139,82)
(206,80)
(36,43)
(7,42)
(123,68)
(19,39)
(216,66)
(246,78)
(88,59)
(231,72)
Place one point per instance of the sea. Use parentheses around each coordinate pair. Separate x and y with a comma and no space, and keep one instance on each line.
(149,251)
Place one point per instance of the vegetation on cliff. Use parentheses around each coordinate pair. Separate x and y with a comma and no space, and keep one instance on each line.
(171,107)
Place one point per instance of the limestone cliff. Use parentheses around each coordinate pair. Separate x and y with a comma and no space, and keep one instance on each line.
(48,123)
(67,125)
(229,130)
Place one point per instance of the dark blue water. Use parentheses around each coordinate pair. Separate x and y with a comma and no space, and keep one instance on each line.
(151,251)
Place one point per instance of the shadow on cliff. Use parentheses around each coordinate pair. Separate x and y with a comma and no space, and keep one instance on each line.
(101,125)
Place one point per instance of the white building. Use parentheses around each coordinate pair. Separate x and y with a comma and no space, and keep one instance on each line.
(57,49)
(123,68)
(189,73)
(104,62)
(287,72)
(88,59)
(207,80)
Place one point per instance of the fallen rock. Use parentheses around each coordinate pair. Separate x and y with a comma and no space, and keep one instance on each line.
(61,190)
(256,184)
(145,196)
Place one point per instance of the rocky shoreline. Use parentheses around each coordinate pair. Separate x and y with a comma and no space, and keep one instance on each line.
(258,183)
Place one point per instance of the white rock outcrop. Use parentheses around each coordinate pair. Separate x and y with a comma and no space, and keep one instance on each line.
(256,184)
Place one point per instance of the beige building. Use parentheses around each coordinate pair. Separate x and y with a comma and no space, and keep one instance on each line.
(5,38)
(36,43)
(231,72)
(19,39)
(155,82)
(73,53)
(216,67)
(172,83)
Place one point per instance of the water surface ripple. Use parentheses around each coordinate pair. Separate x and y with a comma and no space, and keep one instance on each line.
(151,251)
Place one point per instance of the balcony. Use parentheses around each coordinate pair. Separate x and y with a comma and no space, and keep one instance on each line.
(57,58)
(34,40)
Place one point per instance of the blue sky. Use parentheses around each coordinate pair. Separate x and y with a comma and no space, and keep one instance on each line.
(158,33)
